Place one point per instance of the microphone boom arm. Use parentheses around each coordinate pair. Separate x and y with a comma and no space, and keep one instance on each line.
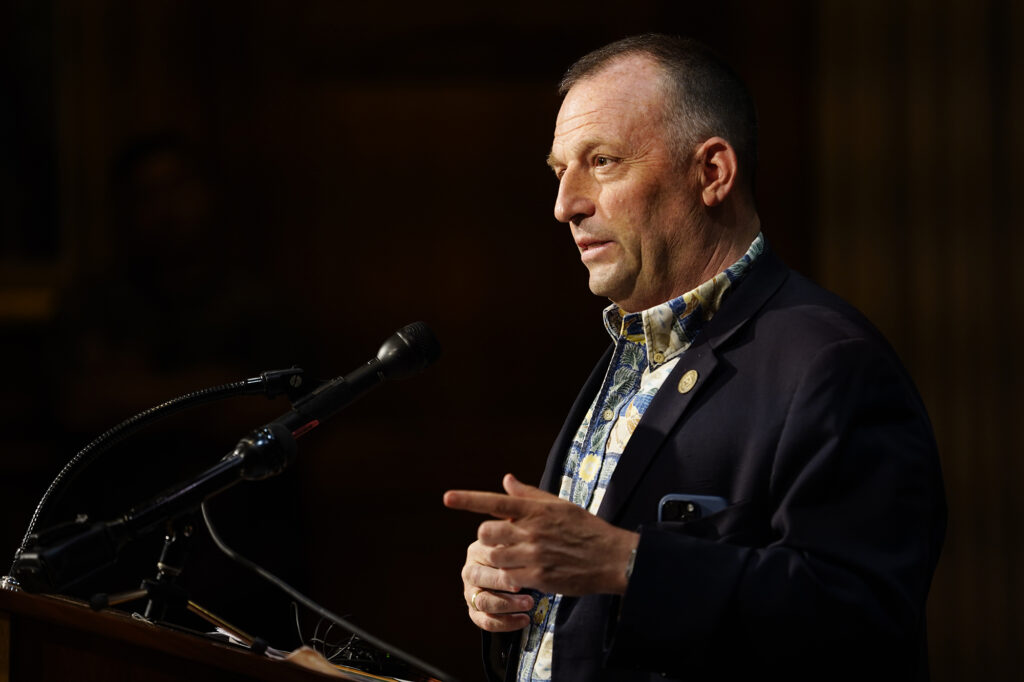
(68,553)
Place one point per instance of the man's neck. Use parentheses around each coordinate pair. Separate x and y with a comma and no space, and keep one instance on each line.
(726,243)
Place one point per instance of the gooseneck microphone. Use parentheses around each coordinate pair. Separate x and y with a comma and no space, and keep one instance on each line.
(66,554)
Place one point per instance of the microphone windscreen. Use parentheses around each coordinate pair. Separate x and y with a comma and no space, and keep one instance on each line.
(408,351)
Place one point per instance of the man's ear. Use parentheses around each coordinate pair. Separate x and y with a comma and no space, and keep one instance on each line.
(718,168)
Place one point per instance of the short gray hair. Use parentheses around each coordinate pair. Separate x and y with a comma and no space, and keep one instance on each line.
(709,99)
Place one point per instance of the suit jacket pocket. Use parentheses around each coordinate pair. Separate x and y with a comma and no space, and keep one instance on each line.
(746,524)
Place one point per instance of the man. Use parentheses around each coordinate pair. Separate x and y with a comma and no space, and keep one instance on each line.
(810,550)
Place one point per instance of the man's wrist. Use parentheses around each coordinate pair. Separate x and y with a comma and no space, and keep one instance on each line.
(626,558)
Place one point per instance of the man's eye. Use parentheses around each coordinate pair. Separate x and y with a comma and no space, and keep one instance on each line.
(602,161)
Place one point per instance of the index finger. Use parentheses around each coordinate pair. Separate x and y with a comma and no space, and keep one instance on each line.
(496,504)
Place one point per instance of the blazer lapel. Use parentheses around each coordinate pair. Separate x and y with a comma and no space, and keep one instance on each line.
(552,478)
(676,394)
(665,410)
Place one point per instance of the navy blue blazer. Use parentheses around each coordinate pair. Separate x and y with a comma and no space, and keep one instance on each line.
(804,420)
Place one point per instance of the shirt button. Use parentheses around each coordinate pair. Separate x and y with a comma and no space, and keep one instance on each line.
(658,357)
(608,414)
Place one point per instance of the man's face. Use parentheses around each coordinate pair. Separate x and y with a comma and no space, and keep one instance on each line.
(633,211)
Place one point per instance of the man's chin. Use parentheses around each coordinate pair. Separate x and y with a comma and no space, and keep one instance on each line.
(606,289)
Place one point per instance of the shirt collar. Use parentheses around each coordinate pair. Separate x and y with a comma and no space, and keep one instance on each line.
(669,329)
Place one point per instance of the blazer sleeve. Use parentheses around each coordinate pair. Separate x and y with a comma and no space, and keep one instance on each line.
(856,513)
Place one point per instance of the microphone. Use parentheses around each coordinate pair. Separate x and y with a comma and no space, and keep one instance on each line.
(408,351)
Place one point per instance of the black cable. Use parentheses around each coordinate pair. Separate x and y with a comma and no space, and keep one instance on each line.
(316,608)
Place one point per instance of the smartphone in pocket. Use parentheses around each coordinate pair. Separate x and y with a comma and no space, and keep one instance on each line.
(679,508)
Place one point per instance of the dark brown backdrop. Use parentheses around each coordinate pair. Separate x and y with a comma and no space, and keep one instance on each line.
(290,182)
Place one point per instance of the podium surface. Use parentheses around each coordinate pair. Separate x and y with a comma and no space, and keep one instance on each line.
(49,638)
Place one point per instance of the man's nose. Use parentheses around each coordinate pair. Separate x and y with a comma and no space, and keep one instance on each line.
(575,197)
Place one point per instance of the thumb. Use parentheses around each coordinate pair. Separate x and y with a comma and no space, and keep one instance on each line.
(516,488)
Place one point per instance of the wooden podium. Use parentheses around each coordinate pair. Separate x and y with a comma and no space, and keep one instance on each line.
(49,638)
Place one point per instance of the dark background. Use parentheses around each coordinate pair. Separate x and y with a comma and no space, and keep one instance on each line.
(192,192)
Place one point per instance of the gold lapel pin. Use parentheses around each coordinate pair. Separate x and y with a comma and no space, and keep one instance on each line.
(688,381)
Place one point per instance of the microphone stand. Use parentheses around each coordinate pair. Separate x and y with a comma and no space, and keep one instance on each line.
(68,553)
(163,592)
(271,383)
